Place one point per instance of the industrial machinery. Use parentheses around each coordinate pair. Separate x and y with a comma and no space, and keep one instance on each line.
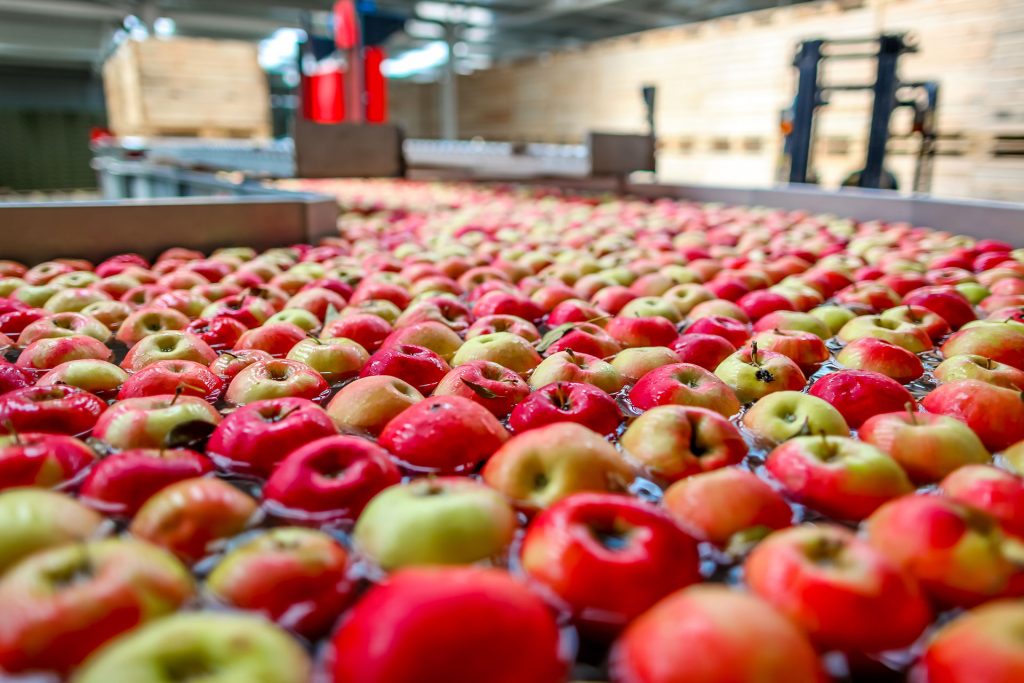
(890,93)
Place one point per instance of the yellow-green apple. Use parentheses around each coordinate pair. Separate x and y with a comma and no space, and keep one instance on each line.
(720,308)
(783,415)
(275,378)
(62,604)
(442,520)
(927,446)
(147,321)
(541,466)
(711,634)
(257,436)
(995,414)
(400,630)
(1000,341)
(168,345)
(366,405)
(836,475)
(729,507)
(73,300)
(588,541)
(34,519)
(335,359)
(912,338)
(798,322)
(919,316)
(156,422)
(490,324)
(970,366)
(842,591)
(684,384)
(685,297)
(189,516)
(753,373)
(443,434)
(187,301)
(833,317)
(95,376)
(296,577)
(432,335)
(221,646)
(958,553)
(636,362)
(675,441)
(504,348)
(860,394)
(570,366)
(652,306)
(329,479)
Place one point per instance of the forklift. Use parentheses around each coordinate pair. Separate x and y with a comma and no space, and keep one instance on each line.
(890,94)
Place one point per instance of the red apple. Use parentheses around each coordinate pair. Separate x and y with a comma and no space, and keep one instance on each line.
(684,384)
(46,460)
(860,394)
(493,386)
(577,402)
(882,357)
(997,492)
(927,446)
(49,409)
(994,413)
(119,484)
(705,350)
(419,366)
(979,645)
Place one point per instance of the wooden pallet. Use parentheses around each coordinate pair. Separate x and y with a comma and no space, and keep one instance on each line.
(187,87)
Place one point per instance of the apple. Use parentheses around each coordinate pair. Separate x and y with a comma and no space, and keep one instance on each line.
(229,364)
(882,357)
(932,323)
(733,331)
(405,629)
(335,359)
(34,519)
(642,331)
(576,402)
(588,541)
(443,520)
(1000,341)
(971,366)
(753,374)
(46,354)
(911,337)
(169,345)
(156,422)
(443,309)
(996,491)
(50,409)
(705,350)
(927,447)
(74,300)
(147,321)
(581,338)
(684,384)
(168,376)
(220,332)
(799,322)
(833,317)
(275,378)
(711,634)
(257,436)
(860,394)
(445,434)
(62,604)
(576,311)
(221,646)
(981,642)
(95,376)
(45,460)
(417,365)
(368,330)
(836,475)
(58,325)
(636,362)
(806,349)
(759,303)
(672,442)
(947,302)
(541,466)
(119,484)
(366,405)
(189,516)
(720,308)
(729,507)
(685,297)
(432,335)
(783,415)
(874,295)
(957,553)
(995,414)
(330,479)
(276,338)
(845,594)
(570,366)
(493,386)
(491,324)
(13,377)
(296,577)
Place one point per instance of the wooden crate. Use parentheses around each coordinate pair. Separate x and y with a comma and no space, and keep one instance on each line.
(187,87)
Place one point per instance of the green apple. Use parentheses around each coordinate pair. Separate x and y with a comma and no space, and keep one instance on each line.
(296,316)
(366,405)
(834,318)
(35,296)
(94,376)
(973,366)
(334,359)
(686,296)
(754,374)
(504,348)
(212,647)
(568,366)
(33,519)
(155,421)
(651,306)
(910,337)
(444,520)
(9,285)
(636,362)
(974,292)
(382,308)
(785,414)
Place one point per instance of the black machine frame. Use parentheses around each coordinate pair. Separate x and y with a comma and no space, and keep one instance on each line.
(890,93)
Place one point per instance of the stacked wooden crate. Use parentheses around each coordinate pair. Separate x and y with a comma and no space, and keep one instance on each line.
(187,87)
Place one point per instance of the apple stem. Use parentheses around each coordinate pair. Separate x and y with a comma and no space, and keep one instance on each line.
(910,411)
(830,448)
(913,316)
(988,363)
(14,432)
(753,353)
(178,391)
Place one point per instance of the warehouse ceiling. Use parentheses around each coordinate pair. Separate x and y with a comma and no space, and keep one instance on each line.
(80,32)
